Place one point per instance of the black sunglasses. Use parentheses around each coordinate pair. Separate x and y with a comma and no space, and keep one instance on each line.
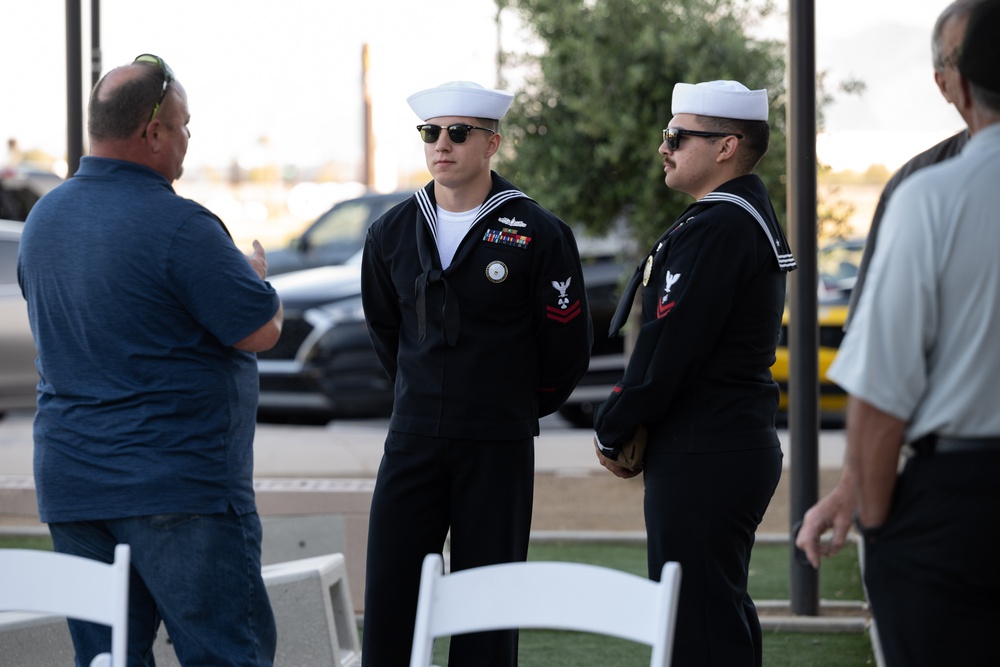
(168,77)
(458,132)
(672,136)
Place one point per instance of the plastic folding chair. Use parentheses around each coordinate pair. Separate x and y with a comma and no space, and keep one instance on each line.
(559,596)
(71,586)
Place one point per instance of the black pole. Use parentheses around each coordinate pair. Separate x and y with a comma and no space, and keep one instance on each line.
(74,88)
(95,42)
(803,333)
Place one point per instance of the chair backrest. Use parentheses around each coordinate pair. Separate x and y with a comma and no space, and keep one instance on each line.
(71,586)
(559,596)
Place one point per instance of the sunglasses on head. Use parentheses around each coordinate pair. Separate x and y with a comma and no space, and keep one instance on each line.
(168,77)
(673,135)
(458,132)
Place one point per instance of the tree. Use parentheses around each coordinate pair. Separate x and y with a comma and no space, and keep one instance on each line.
(585,127)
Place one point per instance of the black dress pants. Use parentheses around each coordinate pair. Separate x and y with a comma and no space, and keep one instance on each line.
(931,569)
(479,489)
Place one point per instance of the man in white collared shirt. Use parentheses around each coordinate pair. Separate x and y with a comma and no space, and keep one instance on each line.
(922,366)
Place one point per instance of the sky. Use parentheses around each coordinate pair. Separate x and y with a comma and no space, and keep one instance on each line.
(290,71)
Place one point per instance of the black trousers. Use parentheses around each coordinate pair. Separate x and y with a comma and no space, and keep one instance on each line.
(702,510)
(482,491)
(931,569)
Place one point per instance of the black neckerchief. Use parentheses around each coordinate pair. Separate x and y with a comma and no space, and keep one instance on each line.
(431,272)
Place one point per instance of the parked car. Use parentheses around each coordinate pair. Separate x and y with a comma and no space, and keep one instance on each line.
(18,376)
(838,269)
(324,366)
(335,236)
(832,399)
(20,187)
(603,274)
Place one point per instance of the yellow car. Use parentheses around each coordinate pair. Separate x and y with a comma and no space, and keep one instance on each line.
(832,399)
(838,267)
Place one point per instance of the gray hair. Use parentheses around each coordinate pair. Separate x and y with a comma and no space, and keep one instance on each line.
(956,10)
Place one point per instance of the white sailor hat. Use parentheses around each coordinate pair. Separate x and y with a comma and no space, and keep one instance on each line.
(460,98)
(722,99)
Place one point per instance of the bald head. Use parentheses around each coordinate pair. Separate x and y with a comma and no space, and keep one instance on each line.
(123,124)
(123,101)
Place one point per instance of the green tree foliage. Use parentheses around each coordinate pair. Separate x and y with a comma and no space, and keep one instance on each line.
(833,217)
(584,128)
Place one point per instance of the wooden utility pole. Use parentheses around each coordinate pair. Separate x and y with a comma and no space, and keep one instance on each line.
(369,177)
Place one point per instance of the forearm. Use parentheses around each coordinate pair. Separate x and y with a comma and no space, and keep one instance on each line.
(265,337)
(874,440)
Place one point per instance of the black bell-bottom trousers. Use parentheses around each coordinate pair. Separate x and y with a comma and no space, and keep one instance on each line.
(479,489)
(702,510)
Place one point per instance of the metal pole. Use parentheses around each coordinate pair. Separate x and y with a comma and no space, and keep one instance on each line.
(74,88)
(95,42)
(803,333)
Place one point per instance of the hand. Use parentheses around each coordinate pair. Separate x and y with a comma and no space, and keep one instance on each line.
(833,512)
(257,260)
(616,469)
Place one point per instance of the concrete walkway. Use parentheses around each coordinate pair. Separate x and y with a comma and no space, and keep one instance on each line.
(354,449)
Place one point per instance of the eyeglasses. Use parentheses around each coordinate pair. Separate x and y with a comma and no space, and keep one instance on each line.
(458,132)
(168,77)
(673,135)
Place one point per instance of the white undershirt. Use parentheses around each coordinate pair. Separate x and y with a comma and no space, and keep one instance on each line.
(451,229)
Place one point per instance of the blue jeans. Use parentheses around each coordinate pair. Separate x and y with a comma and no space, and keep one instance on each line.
(199,574)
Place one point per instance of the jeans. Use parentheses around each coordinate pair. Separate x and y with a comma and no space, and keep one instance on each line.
(199,574)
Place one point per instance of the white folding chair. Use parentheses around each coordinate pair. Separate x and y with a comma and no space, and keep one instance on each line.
(558,596)
(71,586)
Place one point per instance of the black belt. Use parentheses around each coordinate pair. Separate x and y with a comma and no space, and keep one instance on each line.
(936,444)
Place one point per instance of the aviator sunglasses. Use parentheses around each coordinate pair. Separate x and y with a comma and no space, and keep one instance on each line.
(168,77)
(458,132)
(672,136)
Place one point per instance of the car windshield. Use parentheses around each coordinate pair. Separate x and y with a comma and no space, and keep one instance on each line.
(838,265)
(342,229)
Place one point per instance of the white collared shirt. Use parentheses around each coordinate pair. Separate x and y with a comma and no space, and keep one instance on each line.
(923,343)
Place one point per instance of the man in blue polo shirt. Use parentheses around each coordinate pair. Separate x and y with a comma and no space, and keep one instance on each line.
(146,317)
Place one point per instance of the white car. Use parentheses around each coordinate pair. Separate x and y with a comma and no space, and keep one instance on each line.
(20,187)
(18,376)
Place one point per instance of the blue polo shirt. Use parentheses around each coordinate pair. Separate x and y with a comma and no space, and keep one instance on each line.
(136,297)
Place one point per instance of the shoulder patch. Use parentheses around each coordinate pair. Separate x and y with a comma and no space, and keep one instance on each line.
(563,311)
